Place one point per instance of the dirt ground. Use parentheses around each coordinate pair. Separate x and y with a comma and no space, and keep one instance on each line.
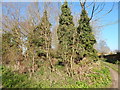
(115,78)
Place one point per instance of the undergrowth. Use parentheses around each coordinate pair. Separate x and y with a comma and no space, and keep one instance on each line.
(14,80)
(97,77)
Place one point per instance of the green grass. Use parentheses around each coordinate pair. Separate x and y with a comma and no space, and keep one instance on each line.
(14,80)
(113,66)
(101,78)
(43,78)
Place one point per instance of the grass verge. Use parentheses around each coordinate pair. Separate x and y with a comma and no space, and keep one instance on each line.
(113,66)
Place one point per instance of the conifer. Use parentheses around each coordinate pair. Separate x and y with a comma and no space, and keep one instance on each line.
(86,38)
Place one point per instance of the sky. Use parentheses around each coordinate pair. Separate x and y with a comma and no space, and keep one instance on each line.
(109,31)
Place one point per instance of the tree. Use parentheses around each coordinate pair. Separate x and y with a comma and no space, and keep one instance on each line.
(29,33)
(86,39)
(43,36)
(103,48)
(65,34)
(40,38)
(96,9)
(6,37)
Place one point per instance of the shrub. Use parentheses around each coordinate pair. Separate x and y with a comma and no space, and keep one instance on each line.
(13,80)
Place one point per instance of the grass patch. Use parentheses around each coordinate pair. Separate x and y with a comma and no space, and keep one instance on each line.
(101,78)
(14,80)
(96,77)
(113,66)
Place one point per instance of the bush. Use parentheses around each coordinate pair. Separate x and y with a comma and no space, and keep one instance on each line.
(13,80)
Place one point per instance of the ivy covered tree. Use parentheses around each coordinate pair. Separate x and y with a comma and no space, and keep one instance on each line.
(39,41)
(65,33)
(86,38)
(41,35)
(45,27)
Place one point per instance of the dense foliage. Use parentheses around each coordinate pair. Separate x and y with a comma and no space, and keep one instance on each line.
(86,39)
(65,32)
(99,77)
(41,35)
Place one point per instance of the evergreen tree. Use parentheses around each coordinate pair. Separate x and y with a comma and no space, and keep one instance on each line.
(39,41)
(42,35)
(65,33)
(86,39)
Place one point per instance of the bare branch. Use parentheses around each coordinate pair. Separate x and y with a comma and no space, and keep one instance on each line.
(83,4)
(105,13)
(97,7)
(93,10)
(100,9)
(87,6)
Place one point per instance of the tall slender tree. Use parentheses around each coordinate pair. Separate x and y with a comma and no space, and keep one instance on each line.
(65,33)
(42,37)
(42,34)
(86,38)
